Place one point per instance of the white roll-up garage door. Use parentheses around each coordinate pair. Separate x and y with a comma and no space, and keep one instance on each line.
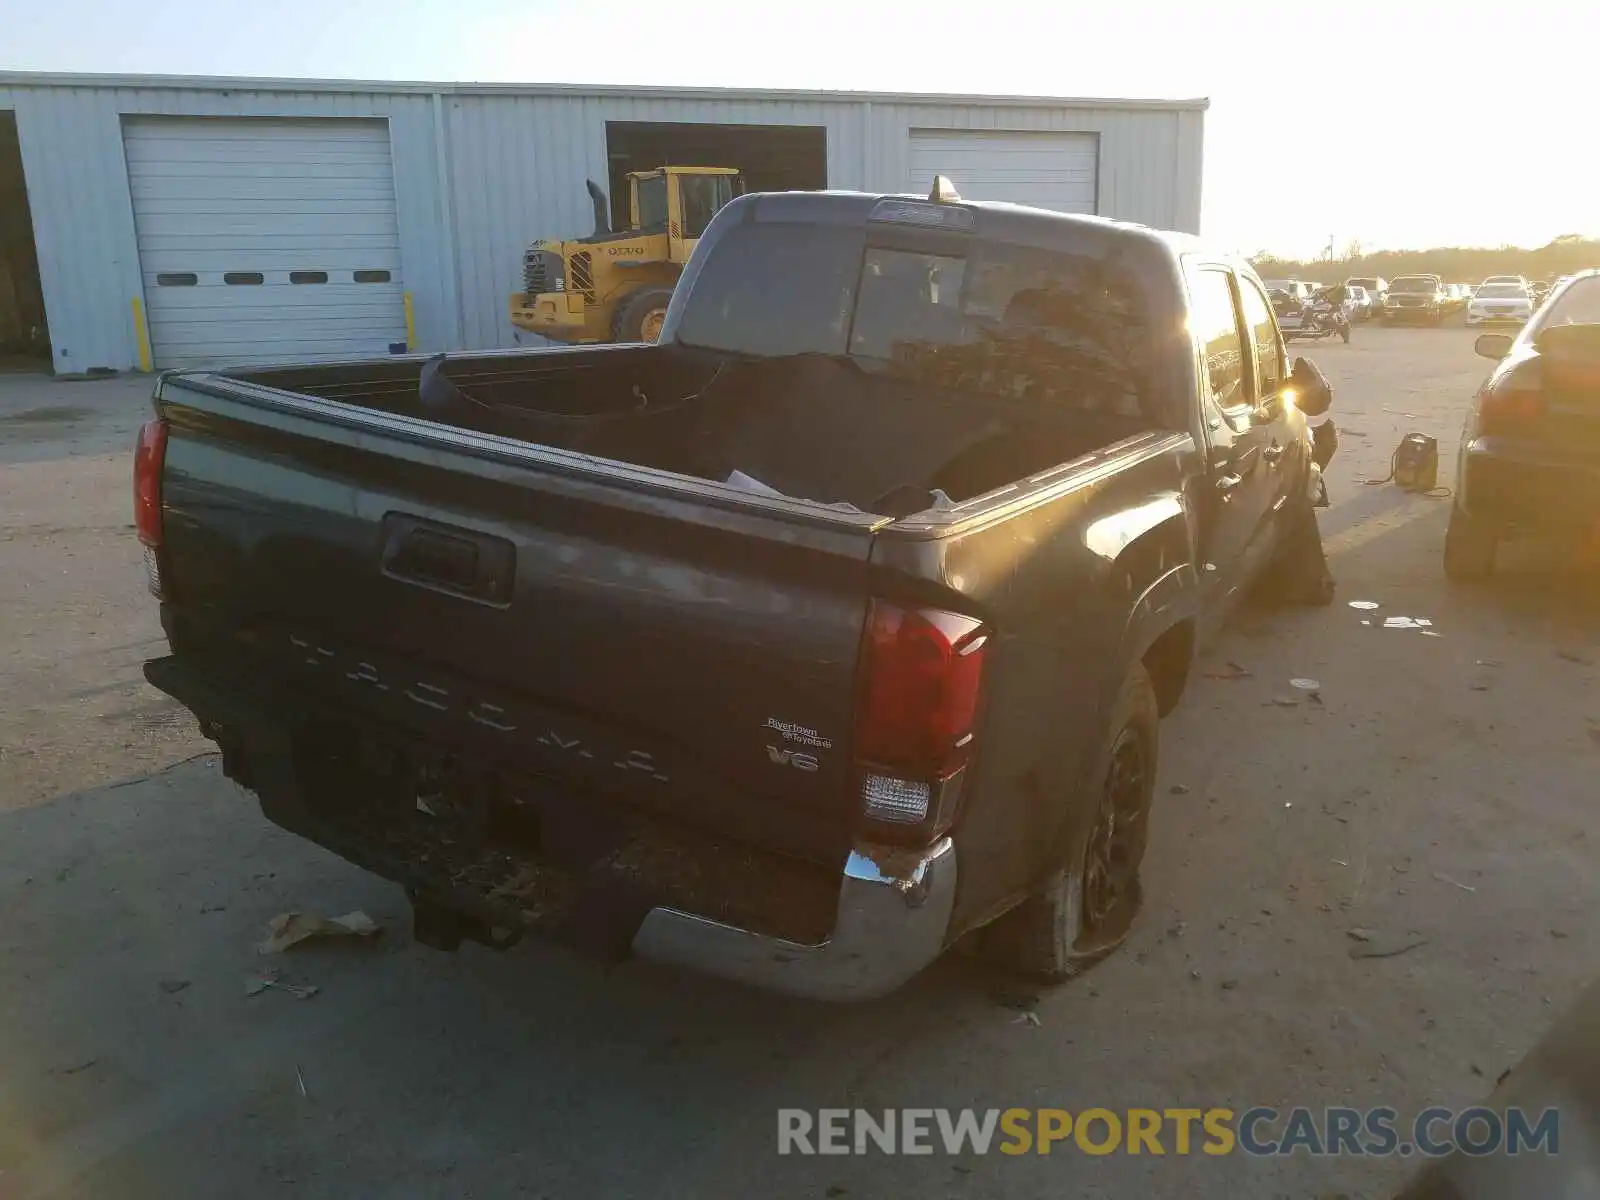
(266,240)
(1047,170)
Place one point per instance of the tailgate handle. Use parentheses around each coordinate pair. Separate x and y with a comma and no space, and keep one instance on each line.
(474,566)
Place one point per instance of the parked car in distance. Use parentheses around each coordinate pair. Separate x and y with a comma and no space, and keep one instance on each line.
(1500,302)
(1376,288)
(1419,299)
(1539,289)
(695,650)
(1530,449)
(1516,279)
(1360,302)
(1297,290)
(1455,297)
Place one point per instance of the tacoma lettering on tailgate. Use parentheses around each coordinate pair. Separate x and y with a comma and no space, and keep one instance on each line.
(417,694)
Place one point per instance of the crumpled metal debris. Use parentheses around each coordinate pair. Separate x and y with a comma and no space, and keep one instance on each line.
(1364,605)
(292,928)
(257,984)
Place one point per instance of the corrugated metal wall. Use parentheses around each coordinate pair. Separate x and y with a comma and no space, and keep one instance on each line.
(479,172)
(519,163)
(72,157)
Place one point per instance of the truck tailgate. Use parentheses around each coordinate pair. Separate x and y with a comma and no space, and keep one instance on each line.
(623,632)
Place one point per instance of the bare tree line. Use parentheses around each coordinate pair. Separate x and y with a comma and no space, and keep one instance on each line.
(1566,255)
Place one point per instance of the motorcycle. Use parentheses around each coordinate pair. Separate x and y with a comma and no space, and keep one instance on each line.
(1317,319)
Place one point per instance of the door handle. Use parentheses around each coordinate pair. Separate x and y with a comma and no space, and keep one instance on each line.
(463,562)
(1272,453)
(1226,483)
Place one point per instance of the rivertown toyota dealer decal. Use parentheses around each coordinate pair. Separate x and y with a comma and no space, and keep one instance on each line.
(1258,1132)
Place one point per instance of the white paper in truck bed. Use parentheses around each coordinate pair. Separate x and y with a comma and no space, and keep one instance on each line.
(749,483)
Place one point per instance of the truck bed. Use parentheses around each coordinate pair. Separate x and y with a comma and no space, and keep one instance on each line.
(820,429)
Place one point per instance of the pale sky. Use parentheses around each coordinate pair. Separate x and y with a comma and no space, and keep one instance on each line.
(1401,123)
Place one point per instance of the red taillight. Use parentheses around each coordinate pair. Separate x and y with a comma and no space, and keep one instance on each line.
(1514,401)
(921,673)
(148,458)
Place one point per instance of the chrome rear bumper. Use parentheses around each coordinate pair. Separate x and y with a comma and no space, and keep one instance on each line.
(894,915)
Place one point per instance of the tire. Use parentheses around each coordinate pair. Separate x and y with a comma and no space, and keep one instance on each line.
(1087,908)
(640,312)
(1469,548)
(1344,332)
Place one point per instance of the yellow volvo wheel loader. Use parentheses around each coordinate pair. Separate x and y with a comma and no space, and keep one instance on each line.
(615,286)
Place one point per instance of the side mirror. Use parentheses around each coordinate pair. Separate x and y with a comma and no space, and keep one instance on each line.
(1313,392)
(1269,410)
(1492,345)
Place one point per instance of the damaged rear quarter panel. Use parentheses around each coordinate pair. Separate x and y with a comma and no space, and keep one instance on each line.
(1059,572)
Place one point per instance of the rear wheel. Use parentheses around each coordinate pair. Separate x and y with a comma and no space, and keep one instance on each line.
(1469,548)
(642,314)
(1087,907)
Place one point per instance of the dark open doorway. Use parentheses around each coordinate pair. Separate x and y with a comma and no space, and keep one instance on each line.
(774,158)
(22,324)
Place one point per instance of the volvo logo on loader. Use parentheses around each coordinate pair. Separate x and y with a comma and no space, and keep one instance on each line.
(792,758)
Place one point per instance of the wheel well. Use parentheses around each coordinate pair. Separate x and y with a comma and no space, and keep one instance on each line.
(1167,662)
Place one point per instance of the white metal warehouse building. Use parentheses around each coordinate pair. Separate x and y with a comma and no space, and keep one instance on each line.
(185,220)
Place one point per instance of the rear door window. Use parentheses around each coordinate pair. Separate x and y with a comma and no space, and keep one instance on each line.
(1215,320)
(1270,369)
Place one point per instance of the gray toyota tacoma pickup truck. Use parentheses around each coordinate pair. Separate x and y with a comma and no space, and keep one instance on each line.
(830,629)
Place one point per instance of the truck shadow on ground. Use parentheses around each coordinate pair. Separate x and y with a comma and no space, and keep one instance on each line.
(129,935)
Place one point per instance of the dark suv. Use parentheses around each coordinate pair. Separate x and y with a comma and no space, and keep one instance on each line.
(1416,298)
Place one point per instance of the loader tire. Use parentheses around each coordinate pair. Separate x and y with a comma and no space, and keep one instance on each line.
(640,317)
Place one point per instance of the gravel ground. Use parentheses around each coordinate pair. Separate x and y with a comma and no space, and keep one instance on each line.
(1441,793)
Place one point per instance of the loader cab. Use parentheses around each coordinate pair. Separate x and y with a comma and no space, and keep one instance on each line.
(680,202)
